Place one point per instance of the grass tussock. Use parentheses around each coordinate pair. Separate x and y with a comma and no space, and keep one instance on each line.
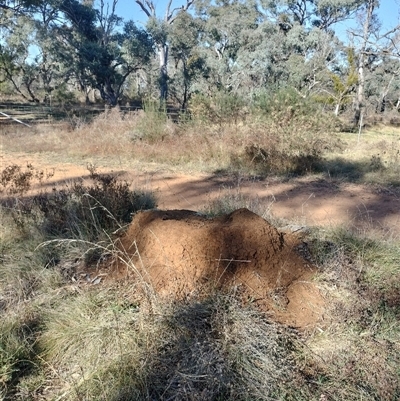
(356,355)
(74,340)
(206,349)
(278,135)
(33,277)
(69,339)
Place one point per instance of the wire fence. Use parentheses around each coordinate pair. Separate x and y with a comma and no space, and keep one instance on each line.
(14,113)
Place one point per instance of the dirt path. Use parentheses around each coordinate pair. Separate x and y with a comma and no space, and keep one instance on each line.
(306,200)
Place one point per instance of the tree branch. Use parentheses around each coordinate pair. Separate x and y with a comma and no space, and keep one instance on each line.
(172,16)
(167,14)
(148,9)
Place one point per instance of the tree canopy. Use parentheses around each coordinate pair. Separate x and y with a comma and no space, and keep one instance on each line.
(52,48)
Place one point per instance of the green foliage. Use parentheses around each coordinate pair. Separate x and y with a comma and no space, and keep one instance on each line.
(222,108)
(152,124)
(96,53)
(16,349)
(64,96)
(291,135)
(343,83)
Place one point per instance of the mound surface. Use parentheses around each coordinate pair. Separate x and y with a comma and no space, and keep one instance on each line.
(179,252)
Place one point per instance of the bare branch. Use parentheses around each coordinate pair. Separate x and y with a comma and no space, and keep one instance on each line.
(147,7)
(167,14)
(171,17)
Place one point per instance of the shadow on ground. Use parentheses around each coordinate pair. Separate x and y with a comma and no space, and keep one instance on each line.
(328,199)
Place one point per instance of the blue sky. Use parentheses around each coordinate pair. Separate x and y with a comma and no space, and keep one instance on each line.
(389,12)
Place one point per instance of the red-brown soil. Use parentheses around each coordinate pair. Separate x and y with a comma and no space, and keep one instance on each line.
(308,201)
(181,253)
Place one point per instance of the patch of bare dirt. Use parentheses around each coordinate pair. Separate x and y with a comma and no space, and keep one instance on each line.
(180,252)
(306,200)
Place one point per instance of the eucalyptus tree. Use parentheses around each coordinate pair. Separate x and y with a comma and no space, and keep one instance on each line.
(369,22)
(159,31)
(375,49)
(254,45)
(382,84)
(229,43)
(19,6)
(189,64)
(342,81)
(16,66)
(100,50)
(319,13)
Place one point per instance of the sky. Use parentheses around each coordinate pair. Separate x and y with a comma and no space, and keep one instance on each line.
(389,13)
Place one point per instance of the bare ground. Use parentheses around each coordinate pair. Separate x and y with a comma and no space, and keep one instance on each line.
(182,251)
(310,201)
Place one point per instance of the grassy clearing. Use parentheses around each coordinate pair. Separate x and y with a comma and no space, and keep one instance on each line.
(71,340)
(279,137)
(64,339)
(374,157)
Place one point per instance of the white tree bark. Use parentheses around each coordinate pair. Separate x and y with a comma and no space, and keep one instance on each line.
(170,15)
(359,105)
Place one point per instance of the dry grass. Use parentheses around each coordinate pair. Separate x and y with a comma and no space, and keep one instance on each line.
(356,353)
(252,146)
(255,146)
(374,157)
(74,341)
(67,340)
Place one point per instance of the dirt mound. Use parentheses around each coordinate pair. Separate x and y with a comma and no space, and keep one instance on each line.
(181,252)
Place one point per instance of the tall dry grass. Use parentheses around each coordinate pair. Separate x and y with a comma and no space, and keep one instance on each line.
(275,140)
(71,339)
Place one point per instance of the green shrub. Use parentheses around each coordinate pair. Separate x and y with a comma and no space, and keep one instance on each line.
(152,125)
(222,108)
(288,135)
(17,338)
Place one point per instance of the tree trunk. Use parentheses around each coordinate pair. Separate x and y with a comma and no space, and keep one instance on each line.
(108,94)
(148,7)
(163,54)
(359,106)
(337,108)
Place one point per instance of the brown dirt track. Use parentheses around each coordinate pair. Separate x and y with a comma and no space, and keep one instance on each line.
(182,251)
(308,201)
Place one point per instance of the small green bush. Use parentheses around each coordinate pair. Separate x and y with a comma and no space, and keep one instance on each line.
(222,108)
(152,125)
(288,135)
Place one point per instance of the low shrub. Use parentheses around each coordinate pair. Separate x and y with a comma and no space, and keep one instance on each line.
(222,108)
(15,179)
(288,134)
(77,210)
(152,125)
